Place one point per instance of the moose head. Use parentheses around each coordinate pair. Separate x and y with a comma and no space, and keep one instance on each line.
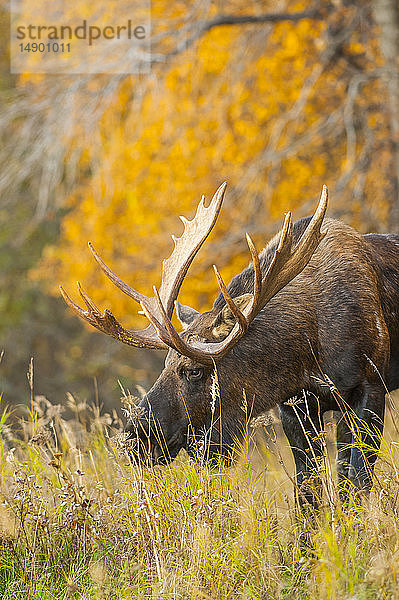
(234,347)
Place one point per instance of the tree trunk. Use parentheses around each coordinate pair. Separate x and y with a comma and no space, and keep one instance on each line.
(386,15)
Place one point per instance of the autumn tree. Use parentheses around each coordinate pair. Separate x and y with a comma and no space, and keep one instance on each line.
(277,101)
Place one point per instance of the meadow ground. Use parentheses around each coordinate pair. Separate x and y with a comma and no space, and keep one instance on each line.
(77,520)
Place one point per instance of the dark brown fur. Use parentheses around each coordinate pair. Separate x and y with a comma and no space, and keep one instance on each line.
(336,321)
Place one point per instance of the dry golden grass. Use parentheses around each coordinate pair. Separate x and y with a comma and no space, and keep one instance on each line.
(77,520)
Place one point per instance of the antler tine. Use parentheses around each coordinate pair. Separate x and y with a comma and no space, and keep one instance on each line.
(174,270)
(91,315)
(87,300)
(285,243)
(287,263)
(257,269)
(75,307)
(157,324)
(170,336)
(115,279)
(281,256)
(312,236)
(106,322)
(238,315)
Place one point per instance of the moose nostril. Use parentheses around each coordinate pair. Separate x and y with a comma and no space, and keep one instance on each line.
(129,427)
(137,428)
(132,428)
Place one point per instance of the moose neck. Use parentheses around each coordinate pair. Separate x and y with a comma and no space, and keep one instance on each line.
(275,358)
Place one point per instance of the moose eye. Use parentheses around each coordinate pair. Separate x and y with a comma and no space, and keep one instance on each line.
(194,374)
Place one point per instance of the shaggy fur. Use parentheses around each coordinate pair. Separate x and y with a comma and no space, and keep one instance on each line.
(336,321)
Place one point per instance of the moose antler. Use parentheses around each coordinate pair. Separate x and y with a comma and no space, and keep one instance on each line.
(287,263)
(174,269)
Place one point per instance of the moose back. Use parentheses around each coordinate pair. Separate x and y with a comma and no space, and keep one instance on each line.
(319,303)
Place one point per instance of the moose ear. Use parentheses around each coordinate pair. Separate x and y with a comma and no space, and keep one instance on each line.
(185,314)
(225,320)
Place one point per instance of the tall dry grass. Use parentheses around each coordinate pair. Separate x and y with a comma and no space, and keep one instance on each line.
(78,520)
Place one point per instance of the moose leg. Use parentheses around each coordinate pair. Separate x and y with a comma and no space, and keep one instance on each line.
(302,427)
(367,432)
(344,452)
(344,446)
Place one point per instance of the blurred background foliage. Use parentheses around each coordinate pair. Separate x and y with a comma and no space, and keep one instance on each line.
(277,98)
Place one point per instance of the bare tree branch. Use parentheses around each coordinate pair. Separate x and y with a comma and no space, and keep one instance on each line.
(202,27)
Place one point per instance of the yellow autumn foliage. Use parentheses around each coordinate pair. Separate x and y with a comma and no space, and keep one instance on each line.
(234,106)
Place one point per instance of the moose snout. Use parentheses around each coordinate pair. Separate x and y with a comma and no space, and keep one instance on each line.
(146,438)
(139,427)
(155,436)
(141,447)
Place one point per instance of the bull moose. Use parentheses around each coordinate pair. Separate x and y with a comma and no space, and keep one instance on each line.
(319,302)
